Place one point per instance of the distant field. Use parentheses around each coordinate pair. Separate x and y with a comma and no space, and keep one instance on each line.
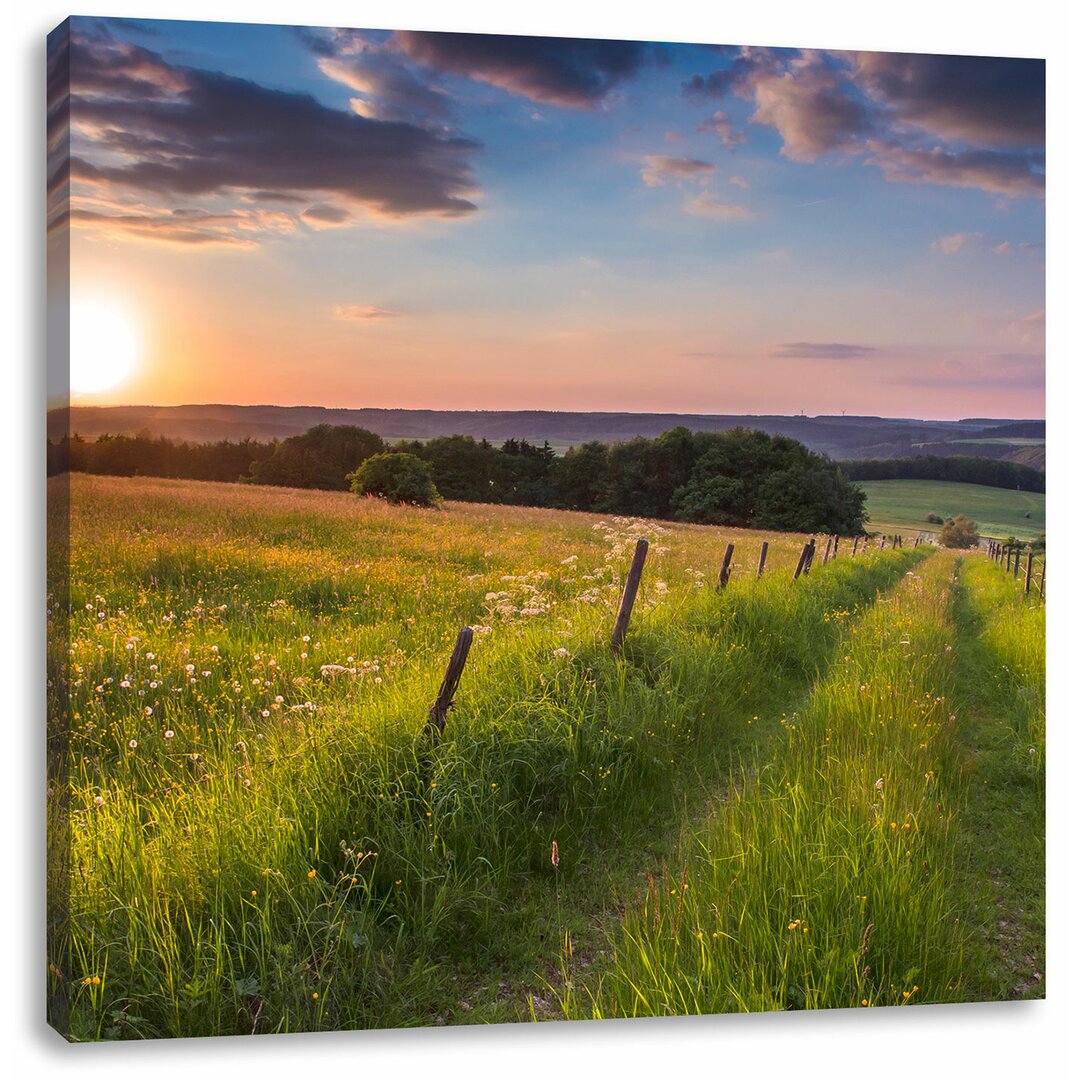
(904,504)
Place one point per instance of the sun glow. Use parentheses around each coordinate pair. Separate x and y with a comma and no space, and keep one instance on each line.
(104,346)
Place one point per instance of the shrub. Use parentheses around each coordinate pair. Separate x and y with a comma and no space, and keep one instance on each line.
(959,533)
(398,478)
(935,519)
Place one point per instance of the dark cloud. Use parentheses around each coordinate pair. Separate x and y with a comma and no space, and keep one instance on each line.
(813,350)
(576,72)
(323,216)
(895,110)
(189,228)
(176,131)
(980,100)
(389,87)
(746,65)
(812,108)
(1001,172)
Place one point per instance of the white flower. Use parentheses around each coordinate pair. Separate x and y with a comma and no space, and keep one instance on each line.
(170,733)
(132,744)
(148,711)
(561,652)
(879,783)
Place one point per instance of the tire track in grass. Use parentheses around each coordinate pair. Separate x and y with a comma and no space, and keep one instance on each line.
(1001,665)
(826,880)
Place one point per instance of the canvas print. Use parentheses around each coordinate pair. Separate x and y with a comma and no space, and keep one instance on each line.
(540,529)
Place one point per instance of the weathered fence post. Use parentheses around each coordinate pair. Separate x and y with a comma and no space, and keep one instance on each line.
(828,548)
(725,569)
(764,555)
(881,546)
(1042,578)
(802,560)
(810,555)
(1027,575)
(855,546)
(436,721)
(1016,564)
(629,594)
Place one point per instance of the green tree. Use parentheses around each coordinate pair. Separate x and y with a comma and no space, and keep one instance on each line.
(962,532)
(398,478)
(320,458)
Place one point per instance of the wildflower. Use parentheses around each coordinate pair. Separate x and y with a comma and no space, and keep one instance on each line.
(555,854)
(879,783)
(561,652)
(311,873)
(98,800)
(149,711)
(132,743)
(315,996)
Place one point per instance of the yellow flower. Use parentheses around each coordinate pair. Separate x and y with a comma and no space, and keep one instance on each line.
(315,996)
(311,873)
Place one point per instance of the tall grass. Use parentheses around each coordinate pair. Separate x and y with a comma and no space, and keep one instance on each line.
(261,839)
(824,881)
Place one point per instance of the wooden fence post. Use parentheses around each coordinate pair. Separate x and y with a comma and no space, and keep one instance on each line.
(1027,576)
(802,559)
(764,555)
(436,721)
(725,569)
(828,548)
(810,555)
(881,546)
(855,546)
(1016,564)
(629,594)
(1042,578)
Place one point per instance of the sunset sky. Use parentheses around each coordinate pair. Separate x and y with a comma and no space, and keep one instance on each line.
(275,215)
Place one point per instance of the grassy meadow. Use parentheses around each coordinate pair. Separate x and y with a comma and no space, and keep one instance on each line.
(902,505)
(784,795)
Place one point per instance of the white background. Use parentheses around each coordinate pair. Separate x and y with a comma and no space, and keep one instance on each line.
(991,1040)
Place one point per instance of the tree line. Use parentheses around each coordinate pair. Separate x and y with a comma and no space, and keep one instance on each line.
(965,470)
(739,477)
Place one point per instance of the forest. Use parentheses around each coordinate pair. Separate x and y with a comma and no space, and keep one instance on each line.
(740,477)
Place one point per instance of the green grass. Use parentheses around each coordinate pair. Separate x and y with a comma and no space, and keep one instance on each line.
(254,834)
(888,851)
(902,505)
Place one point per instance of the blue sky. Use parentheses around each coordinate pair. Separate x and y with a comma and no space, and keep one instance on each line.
(358,218)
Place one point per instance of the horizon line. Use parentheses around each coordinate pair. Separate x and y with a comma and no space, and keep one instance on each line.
(552,412)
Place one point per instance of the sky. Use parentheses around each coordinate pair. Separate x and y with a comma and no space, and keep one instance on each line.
(280,215)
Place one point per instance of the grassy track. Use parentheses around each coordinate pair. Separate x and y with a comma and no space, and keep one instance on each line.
(261,839)
(902,505)
(887,852)
(1002,655)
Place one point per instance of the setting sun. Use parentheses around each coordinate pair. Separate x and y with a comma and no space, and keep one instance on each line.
(104,346)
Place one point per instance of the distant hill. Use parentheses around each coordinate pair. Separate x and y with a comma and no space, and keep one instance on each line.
(850,437)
